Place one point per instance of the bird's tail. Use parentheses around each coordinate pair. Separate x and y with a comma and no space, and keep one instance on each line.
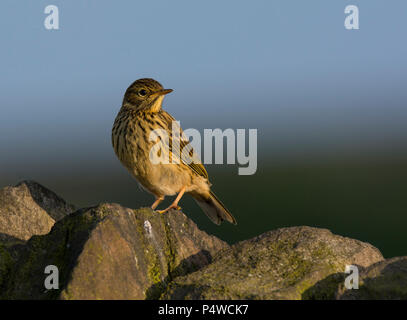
(215,209)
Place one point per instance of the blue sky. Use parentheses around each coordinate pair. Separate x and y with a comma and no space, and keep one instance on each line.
(288,68)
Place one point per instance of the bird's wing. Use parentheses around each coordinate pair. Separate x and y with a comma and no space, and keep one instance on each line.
(187,152)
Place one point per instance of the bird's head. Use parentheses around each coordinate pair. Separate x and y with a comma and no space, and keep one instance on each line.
(145,94)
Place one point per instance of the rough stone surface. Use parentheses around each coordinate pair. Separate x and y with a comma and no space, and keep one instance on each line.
(383,280)
(280,264)
(26,209)
(112,252)
(29,209)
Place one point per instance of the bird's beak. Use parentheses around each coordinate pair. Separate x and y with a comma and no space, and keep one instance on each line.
(161,92)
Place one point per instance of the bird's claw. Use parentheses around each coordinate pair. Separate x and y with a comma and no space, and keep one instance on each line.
(169,208)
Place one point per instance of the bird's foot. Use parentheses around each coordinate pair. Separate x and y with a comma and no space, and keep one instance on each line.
(173,206)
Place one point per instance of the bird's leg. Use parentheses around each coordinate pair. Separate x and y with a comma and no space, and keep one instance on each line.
(157,202)
(174,205)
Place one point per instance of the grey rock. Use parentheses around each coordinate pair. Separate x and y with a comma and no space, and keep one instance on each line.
(383,280)
(280,264)
(111,252)
(29,209)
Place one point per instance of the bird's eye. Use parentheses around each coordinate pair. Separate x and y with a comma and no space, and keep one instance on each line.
(142,92)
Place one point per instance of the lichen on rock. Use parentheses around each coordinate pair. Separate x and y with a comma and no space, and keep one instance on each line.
(280,264)
(104,252)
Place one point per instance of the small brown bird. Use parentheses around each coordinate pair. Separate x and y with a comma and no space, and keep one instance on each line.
(141,114)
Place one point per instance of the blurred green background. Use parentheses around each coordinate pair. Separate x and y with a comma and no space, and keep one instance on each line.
(362,198)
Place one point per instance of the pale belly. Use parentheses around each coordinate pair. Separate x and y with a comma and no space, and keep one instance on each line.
(165,179)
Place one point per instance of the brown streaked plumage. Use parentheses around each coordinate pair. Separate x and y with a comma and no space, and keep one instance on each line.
(140,114)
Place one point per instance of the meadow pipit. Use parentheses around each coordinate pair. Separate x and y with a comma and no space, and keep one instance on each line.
(140,114)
